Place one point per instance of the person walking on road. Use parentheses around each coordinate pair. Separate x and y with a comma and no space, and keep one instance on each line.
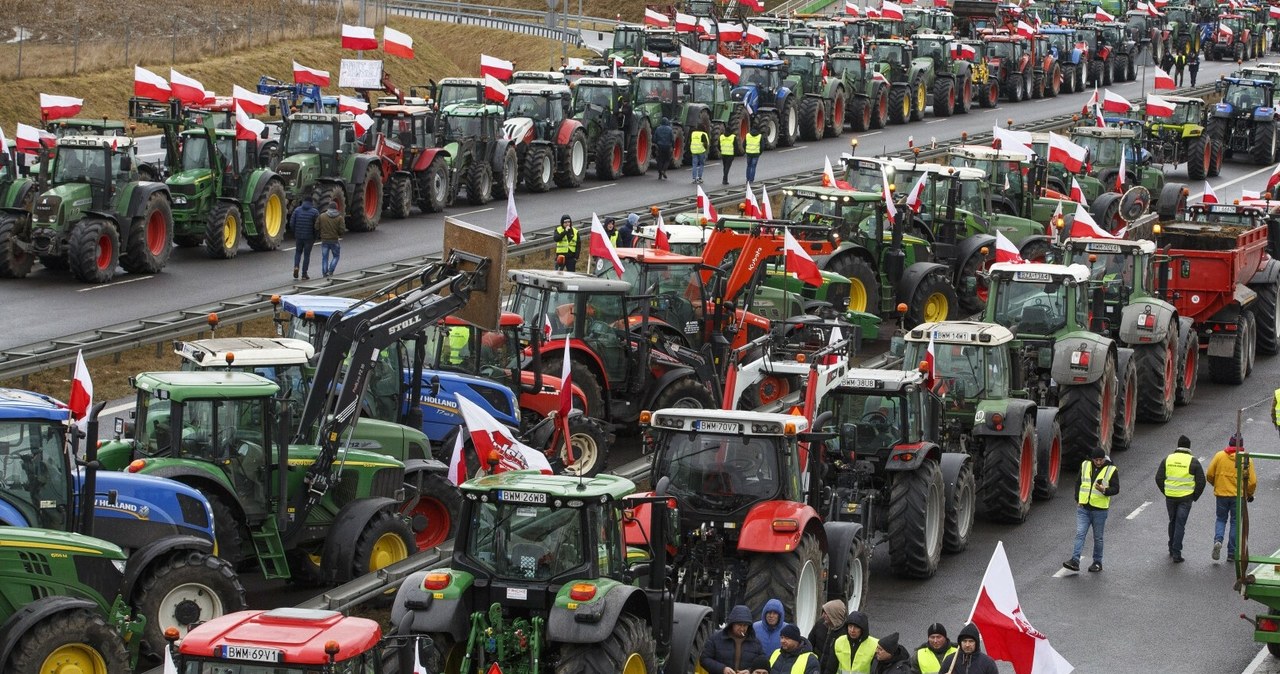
(1193,66)
(1180,478)
(892,657)
(1179,66)
(854,650)
(752,150)
(969,659)
(303,223)
(769,627)
(566,238)
(664,140)
(929,656)
(794,654)
(1166,61)
(1098,482)
(699,145)
(1222,473)
(734,649)
(332,226)
(728,150)
(827,629)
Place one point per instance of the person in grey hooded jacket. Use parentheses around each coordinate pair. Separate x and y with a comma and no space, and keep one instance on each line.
(735,648)
(969,659)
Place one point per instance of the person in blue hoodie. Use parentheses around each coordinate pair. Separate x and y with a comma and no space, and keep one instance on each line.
(769,627)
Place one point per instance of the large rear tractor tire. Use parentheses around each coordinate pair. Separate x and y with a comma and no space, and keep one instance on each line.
(1126,407)
(919,100)
(629,648)
(1188,367)
(538,171)
(679,146)
(592,389)
(399,201)
(150,238)
(917,519)
(187,589)
(880,109)
(1200,158)
(812,118)
(268,217)
(1232,369)
(1268,318)
(222,231)
(433,518)
(590,440)
(960,511)
(365,211)
(835,121)
(1048,462)
(433,187)
(788,123)
(1157,377)
(688,393)
(855,577)
(797,579)
(386,539)
(508,175)
(899,105)
(1008,475)
(864,290)
(944,97)
(14,261)
(933,300)
(74,641)
(860,113)
(479,182)
(572,169)
(766,125)
(609,156)
(639,151)
(93,250)
(1087,414)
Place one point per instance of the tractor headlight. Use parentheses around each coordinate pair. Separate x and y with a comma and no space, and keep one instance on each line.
(119,564)
(179,200)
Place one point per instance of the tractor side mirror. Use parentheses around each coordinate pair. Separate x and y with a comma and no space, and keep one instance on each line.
(265,134)
(164,142)
(126,163)
(349,136)
(435,386)
(848,440)
(273,109)
(897,346)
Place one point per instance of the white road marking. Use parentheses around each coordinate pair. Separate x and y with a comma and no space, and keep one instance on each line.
(935,121)
(597,187)
(1064,572)
(1138,510)
(1234,181)
(117,283)
(115,408)
(479,210)
(1257,662)
(793,148)
(870,133)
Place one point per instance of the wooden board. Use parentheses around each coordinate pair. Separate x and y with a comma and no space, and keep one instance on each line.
(484,307)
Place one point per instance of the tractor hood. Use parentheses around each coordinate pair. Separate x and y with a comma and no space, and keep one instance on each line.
(184,185)
(64,203)
(451,148)
(518,130)
(748,94)
(299,171)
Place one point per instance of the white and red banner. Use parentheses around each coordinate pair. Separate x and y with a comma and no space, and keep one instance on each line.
(729,68)
(765,206)
(730,32)
(363,123)
(798,261)
(964,51)
(305,75)
(1225,32)
(1164,80)
(254,104)
(499,68)
(188,90)
(1112,102)
(1026,30)
(1101,15)
(890,10)
(651,59)
(1067,153)
(931,362)
(660,239)
(1012,140)
(358,38)
(1272,181)
(1007,634)
(851,9)
(354,106)
(686,23)
(247,128)
(1159,107)
(692,61)
(1084,226)
(756,35)
(513,232)
(1121,173)
(705,206)
(656,18)
(147,84)
(601,247)
(566,389)
(81,392)
(1005,250)
(889,206)
(494,89)
(751,207)
(27,139)
(396,43)
(1273,12)
(490,438)
(59,107)
(915,197)
(1077,193)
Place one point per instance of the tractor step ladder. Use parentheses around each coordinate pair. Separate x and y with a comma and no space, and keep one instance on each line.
(270,549)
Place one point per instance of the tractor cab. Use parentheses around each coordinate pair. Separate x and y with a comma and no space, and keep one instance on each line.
(598,96)
(659,93)
(452,90)
(285,361)
(1106,145)
(936,47)
(1122,267)
(764,76)
(1038,300)
(577,308)
(409,125)
(456,345)
(878,414)
(896,53)
(1240,97)
(78,126)
(970,359)
(628,42)
(538,77)
(544,105)
(807,64)
(464,121)
(35,460)
(89,166)
(315,144)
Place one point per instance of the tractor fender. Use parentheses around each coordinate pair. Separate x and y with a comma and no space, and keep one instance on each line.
(686,619)
(1027,241)
(448,614)
(142,560)
(141,193)
(566,131)
(1165,318)
(12,517)
(692,115)
(260,179)
(840,537)
(969,247)
(780,100)
(499,154)
(579,351)
(952,462)
(1123,355)
(340,545)
(910,456)
(428,155)
(1015,415)
(592,622)
(412,466)
(668,378)
(915,275)
(27,617)
(1045,416)
(359,169)
(336,182)
(845,249)
(1099,349)
(20,190)
(1270,273)
(758,534)
(833,89)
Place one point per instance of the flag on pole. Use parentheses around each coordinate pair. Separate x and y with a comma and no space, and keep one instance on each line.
(499,68)
(685,23)
(1067,153)
(1164,80)
(1272,181)
(1051,230)
(147,84)
(354,106)
(1101,15)
(1005,250)
(189,91)
(930,360)
(692,61)
(756,35)
(247,128)
(169,666)
(58,107)
(914,200)
(890,10)
(396,43)
(27,139)
(358,38)
(1012,141)
(798,261)
(729,32)
(494,89)
(254,104)
(305,75)
(655,18)
(494,443)
(602,247)
(649,58)
(566,404)
(1006,633)
(708,209)
(765,205)
(1077,193)
(730,69)
(1121,173)
(513,231)
(418,667)
(660,239)
(1025,29)
(1209,196)
(81,392)
(851,9)
(828,174)
(889,206)
(1159,107)
(457,463)
(751,207)
(1085,227)
(1113,102)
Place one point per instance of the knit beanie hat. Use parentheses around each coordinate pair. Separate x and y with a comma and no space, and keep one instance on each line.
(1184,442)
(937,628)
(791,632)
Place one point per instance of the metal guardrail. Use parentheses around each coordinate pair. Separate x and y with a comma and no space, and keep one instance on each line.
(29,359)
(528,22)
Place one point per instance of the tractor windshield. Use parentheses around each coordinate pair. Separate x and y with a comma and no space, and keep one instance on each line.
(888,52)
(1116,270)
(854,66)
(33,470)
(720,472)
(654,89)
(1063,42)
(760,77)
(626,40)
(1030,307)
(79,165)
(587,95)
(303,137)
(1243,96)
(865,177)
(870,422)
(1002,50)
(934,48)
(458,92)
(525,542)
(532,106)
(705,90)
(195,153)
(801,64)
(457,127)
(965,370)
(1186,113)
(1102,151)
(293,380)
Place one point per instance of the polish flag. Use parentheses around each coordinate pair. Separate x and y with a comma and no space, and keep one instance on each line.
(1159,107)
(851,9)
(756,35)
(499,68)
(1006,633)
(756,5)
(27,140)
(1093,100)
(1163,80)
(186,89)
(1209,197)
(1115,102)
(730,32)
(705,26)
(751,207)
(457,466)
(354,106)
(730,69)
(873,13)
(931,362)
(878,76)
(81,392)
(1101,15)
(247,128)
(1272,181)
(798,261)
(358,38)
(1120,174)
(1077,193)
(828,173)
(601,247)
(1225,32)
(708,209)
(765,204)
(1085,227)
(692,61)
(491,438)
(1250,195)
(363,123)
(1273,12)
(1005,250)
(514,233)
(653,18)
(1065,152)
(566,389)
(964,51)
(1025,29)
(254,104)
(1051,230)
(685,23)
(1153,10)
(57,107)
(1100,120)
(1012,140)
(660,239)
(651,59)
(396,43)
(889,10)
(888,198)
(305,75)
(914,200)
(494,89)
(147,84)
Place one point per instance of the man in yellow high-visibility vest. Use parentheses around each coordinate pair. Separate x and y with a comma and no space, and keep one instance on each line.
(1180,478)
(795,655)
(929,656)
(1097,484)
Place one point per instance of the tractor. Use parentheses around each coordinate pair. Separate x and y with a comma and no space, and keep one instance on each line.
(1148,33)
(1245,121)
(619,138)
(476,151)
(550,146)
(1182,138)
(1099,55)
(762,89)
(951,91)
(715,93)
(1011,63)
(908,77)
(1124,59)
(1019,184)
(657,94)
(1233,39)
(1046,72)
(822,103)
(1069,56)
(1106,145)
(986,86)
(95,206)
(321,160)
(1183,29)
(18,192)
(866,87)
(414,169)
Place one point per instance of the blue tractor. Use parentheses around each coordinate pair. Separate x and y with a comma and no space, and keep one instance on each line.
(774,112)
(1071,57)
(294,97)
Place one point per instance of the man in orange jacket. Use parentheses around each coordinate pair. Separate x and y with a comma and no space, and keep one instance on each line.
(1222,475)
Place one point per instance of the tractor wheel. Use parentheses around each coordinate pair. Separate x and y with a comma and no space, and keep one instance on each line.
(399,200)
(899,105)
(268,218)
(700,638)
(788,123)
(944,97)
(14,261)
(433,187)
(433,519)
(855,577)
(1188,367)
(222,231)
(609,155)
(1126,408)
(539,169)
(1037,85)
(766,125)
(1048,463)
(1087,414)
(1008,475)
(1094,73)
(1215,169)
(960,510)
(688,393)
(1157,377)
(479,182)
(443,655)
(330,194)
(1199,158)
(797,579)
(860,113)
(1250,332)
(572,168)
(717,130)
(1263,143)
(269,155)
(920,99)
(1106,73)
(510,176)
(232,535)
(305,568)
(864,290)
(78,640)
(1234,368)
(365,210)
(1119,69)
(917,518)
(592,388)
(629,648)
(1068,79)
(964,97)
(639,151)
(835,121)
(1130,70)
(1013,90)
(184,590)
(740,124)
(678,145)
(150,238)
(93,250)
(385,540)
(972,302)
(812,119)
(1053,86)
(933,300)
(880,109)
(1268,318)
(591,441)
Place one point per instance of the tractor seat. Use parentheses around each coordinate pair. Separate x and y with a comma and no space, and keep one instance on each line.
(718,483)
(527,558)
(1036,319)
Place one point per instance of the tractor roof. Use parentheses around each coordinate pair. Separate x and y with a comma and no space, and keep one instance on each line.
(655,256)
(463,80)
(734,422)
(246,351)
(602,82)
(283,636)
(961,172)
(95,141)
(539,88)
(832,193)
(677,233)
(886,381)
(1057,30)
(20,404)
(567,281)
(801,51)
(206,384)
(401,111)
(1038,272)
(1182,99)
(525,486)
(1091,245)
(655,74)
(546,76)
(961,332)
(1242,82)
(889,40)
(471,109)
(1103,132)
(985,152)
(759,63)
(323,117)
(320,306)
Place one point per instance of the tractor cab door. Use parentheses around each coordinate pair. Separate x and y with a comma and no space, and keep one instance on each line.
(34,472)
(230,434)
(604,331)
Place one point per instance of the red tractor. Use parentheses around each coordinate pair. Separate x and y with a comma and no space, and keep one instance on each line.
(1010,63)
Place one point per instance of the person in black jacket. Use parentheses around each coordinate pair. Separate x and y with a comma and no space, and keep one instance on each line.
(794,650)
(969,659)
(892,657)
(1180,478)
(664,140)
(303,223)
(734,649)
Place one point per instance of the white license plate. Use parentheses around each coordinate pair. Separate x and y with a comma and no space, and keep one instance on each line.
(860,383)
(252,653)
(522,496)
(717,426)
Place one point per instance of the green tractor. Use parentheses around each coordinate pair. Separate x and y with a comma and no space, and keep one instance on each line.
(908,75)
(619,138)
(321,160)
(1106,145)
(219,194)
(544,581)
(727,115)
(476,151)
(1183,28)
(867,97)
(18,192)
(1182,139)
(1017,181)
(96,205)
(822,100)
(951,91)
(656,94)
